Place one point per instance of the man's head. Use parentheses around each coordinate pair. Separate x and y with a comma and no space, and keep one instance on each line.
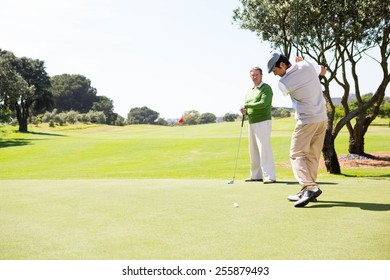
(278,64)
(256,75)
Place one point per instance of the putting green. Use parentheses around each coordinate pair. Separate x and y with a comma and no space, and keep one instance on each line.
(192,220)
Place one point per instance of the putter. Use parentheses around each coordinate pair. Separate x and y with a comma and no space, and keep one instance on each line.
(238,151)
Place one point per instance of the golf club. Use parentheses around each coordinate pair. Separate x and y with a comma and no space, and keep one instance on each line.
(238,151)
(297,29)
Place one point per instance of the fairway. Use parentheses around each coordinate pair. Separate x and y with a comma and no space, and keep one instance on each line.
(161,193)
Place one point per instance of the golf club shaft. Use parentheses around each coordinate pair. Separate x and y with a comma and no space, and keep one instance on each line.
(238,150)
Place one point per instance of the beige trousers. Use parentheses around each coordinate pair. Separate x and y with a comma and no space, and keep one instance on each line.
(305,151)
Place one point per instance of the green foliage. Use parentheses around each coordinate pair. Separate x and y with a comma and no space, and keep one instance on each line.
(190,117)
(280,113)
(49,116)
(354,105)
(338,113)
(5,114)
(24,86)
(73,117)
(11,81)
(335,34)
(162,122)
(230,117)
(385,110)
(73,92)
(207,118)
(60,118)
(193,117)
(120,121)
(142,115)
(105,105)
(97,117)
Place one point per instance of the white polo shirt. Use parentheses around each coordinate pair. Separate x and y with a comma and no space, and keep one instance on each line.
(301,82)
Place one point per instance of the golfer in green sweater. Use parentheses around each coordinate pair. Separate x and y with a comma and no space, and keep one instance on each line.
(257,107)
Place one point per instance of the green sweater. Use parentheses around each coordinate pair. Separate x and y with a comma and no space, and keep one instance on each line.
(258,103)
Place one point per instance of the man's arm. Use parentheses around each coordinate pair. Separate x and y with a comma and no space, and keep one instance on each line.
(265,99)
(323,69)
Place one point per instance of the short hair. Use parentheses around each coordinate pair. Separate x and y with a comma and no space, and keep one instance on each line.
(256,68)
(283,59)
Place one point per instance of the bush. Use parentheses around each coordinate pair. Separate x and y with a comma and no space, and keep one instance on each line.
(120,121)
(280,113)
(229,117)
(60,119)
(207,118)
(36,120)
(97,117)
(190,117)
(161,121)
(48,116)
(72,117)
(5,114)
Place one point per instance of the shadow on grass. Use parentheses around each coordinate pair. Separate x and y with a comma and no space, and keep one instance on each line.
(361,205)
(296,183)
(44,133)
(14,143)
(25,141)
(378,177)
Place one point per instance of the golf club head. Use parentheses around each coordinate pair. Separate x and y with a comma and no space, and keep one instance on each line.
(231,182)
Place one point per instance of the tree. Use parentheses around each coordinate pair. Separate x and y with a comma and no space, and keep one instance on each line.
(162,122)
(10,84)
(25,88)
(333,33)
(229,117)
(207,118)
(73,92)
(190,117)
(120,121)
(361,25)
(280,113)
(105,105)
(384,111)
(142,115)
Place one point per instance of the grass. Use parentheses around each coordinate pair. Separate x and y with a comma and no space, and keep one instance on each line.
(145,192)
(190,220)
(206,151)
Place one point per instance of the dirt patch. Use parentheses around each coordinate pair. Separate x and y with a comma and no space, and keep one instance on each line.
(371,160)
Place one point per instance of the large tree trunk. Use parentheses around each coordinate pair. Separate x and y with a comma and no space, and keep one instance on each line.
(22,117)
(330,155)
(356,140)
(23,125)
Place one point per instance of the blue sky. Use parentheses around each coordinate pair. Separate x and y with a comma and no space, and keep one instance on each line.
(171,55)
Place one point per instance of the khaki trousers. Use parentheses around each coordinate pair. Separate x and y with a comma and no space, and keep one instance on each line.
(305,151)
(260,151)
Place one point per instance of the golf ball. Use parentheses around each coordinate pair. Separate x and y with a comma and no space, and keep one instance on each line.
(235,204)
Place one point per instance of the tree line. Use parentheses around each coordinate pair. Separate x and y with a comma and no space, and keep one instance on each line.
(27,92)
(29,95)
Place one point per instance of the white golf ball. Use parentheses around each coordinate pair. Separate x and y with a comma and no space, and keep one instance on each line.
(235,204)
